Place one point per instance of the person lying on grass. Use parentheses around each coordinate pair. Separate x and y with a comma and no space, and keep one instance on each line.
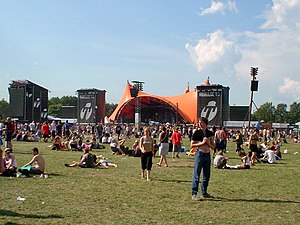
(245,159)
(103,161)
(87,160)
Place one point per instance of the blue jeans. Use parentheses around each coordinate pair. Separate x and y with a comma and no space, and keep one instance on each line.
(35,171)
(202,161)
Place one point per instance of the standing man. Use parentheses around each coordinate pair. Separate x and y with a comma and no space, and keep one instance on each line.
(9,128)
(176,140)
(220,138)
(202,139)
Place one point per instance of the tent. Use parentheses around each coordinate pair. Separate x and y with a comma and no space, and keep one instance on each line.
(184,105)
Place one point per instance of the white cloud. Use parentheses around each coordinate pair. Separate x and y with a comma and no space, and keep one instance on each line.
(275,51)
(284,14)
(215,52)
(291,88)
(219,7)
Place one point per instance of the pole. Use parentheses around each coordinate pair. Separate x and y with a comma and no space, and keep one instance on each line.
(176,113)
(253,73)
(250,110)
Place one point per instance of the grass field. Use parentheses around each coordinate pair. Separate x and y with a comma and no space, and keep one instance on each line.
(265,194)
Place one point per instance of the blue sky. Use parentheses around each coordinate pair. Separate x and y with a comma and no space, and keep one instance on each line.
(68,45)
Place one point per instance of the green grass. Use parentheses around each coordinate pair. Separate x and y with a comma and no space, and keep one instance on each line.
(265,194)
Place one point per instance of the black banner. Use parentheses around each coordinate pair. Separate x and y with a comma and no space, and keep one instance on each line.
(210,105)
(87,107)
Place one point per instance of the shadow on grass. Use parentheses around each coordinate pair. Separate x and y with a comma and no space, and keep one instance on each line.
(257,200)
(182,166)
(16,214)
(176,181)
(10,223)
(54,174)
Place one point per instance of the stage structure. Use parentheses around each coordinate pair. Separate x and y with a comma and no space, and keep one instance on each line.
(213,103)
(91,105)
(207,100)
(28,101)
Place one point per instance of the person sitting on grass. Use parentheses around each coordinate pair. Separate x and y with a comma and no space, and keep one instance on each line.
(124,150)
(103,161)
(10,164)
(269,157)
(245,159)
(56,145)
(192,152)
(73,144)
(136,149)
(87,160)
(35,166)
(220,160)
(114,145)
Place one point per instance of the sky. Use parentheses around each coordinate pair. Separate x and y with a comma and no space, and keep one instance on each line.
(66,45)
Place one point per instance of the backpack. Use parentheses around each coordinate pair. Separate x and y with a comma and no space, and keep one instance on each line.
(90,161)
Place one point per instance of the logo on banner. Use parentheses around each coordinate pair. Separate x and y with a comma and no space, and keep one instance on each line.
(37,103)
(86,111)
(210,111)
(44,113)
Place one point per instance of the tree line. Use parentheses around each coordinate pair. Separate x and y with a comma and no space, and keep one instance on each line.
(270,113)
(267,112)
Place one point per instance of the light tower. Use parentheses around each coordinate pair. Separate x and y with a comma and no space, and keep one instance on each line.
(253,87)
(138,85)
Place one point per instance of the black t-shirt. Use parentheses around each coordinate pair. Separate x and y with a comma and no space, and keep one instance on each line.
(10,128)
(118,129)
(198,135)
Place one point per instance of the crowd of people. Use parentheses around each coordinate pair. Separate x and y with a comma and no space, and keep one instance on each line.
(149,141)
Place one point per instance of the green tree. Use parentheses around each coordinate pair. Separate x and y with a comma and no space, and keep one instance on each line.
(281,113)
(3,108)
(294,113)
(54,110)
(110,108)
(69,100)
(265,112)
(54,101)
(55,104)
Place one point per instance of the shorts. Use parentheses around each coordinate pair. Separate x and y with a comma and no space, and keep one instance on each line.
(253,148)
(244,167)
(176,148)
(163,149)
(8,137)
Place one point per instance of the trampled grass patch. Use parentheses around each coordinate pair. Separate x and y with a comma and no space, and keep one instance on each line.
(265,194)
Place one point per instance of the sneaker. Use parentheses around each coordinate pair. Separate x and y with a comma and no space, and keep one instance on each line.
(206,195)
(67,165)
(177,156)
(195,198)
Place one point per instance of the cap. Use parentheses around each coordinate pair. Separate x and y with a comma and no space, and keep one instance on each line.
(8,150)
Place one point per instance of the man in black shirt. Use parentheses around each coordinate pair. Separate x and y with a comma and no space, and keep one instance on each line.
(203,140)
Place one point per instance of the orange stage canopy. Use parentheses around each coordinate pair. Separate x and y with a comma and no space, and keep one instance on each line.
(185,104)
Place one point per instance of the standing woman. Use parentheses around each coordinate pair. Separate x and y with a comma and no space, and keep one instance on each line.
(164,146)
(146,146)
(253,139)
